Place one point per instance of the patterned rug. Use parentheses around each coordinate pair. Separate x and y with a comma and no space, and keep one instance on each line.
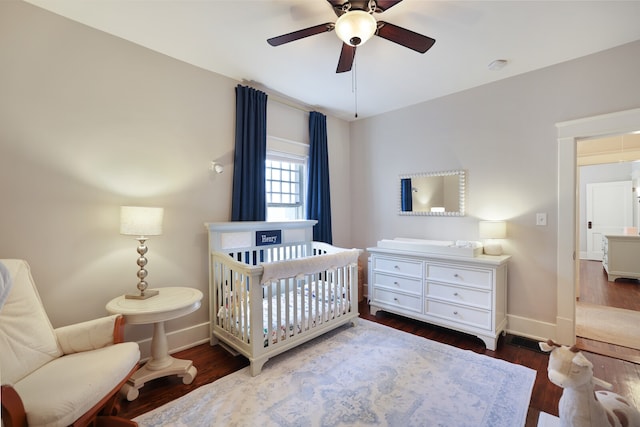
(608,324)
(365,375)
(548,420)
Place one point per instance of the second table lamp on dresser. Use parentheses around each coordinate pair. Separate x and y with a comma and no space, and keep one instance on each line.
(492,231)
(141,222)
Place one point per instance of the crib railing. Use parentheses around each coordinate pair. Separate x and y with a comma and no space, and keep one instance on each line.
(294,305)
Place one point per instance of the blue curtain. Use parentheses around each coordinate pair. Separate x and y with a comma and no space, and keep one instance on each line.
(406,194)
(318,200)
(249,202)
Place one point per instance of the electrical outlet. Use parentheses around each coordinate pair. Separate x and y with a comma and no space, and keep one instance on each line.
(541,219)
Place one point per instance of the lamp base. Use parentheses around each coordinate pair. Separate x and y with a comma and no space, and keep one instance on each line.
(143,295)
(493,249)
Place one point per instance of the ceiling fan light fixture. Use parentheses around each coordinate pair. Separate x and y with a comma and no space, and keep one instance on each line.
(356,27)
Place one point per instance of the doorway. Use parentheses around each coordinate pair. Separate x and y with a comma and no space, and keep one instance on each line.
(567,242)
(606,312)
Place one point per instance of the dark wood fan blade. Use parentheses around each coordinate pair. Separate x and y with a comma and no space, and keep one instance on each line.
(300,34)
(404,37)
(386,4)
(347,55)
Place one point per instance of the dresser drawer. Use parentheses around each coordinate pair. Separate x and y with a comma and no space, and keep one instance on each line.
(398,266)
(407,302)
(476,297)
(477,277)
(404,284)
(470,316)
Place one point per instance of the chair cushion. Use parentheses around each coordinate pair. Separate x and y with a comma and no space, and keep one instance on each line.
(64,389)
(27,339)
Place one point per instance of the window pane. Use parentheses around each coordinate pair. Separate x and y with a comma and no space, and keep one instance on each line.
(284,186)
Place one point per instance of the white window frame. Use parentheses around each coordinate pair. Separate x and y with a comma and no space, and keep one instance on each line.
(282,150)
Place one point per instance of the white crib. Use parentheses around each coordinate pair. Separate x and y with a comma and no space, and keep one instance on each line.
(272,288)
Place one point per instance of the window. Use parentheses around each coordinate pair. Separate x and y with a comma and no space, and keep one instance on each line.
(285,188)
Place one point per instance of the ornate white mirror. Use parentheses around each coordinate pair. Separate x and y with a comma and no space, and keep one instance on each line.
(433,194)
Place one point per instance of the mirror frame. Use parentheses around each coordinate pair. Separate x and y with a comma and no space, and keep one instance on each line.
(462,183)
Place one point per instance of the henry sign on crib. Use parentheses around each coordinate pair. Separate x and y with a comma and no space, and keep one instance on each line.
(580,405)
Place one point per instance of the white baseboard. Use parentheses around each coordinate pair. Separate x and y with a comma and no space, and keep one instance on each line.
(179,340)
(530,328)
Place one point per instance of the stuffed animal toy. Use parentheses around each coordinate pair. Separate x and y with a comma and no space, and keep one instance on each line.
(579,405)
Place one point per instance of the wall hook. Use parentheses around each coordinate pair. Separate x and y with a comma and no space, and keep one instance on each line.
(216,167)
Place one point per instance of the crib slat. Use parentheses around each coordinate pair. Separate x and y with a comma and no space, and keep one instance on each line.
(269,325)
(313,302)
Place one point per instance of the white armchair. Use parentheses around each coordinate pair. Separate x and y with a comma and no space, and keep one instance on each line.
(57,377)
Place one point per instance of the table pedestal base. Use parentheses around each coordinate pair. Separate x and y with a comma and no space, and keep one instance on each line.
(182,368)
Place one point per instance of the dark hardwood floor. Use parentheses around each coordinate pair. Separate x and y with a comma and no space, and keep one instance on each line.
(214,363)
(596,289)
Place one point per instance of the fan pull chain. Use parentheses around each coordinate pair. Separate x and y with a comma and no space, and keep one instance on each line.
(354,86)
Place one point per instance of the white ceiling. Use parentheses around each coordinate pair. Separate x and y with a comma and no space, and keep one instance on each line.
(229,38)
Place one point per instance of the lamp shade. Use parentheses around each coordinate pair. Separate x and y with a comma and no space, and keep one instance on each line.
(493,229)
(356,27)
(141,221)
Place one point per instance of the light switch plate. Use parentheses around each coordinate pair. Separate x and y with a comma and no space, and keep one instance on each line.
(541,219)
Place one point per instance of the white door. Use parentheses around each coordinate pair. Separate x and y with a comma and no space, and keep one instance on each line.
(609,210)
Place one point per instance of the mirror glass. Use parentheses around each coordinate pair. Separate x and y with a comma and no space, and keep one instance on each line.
(435,193)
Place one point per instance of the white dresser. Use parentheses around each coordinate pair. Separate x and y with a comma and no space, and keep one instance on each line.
(467,294)
(621,256)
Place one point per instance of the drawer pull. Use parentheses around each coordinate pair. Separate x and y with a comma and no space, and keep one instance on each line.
(455,294)
(456,275)
(397,267)
(396,299)
(455,313)
(396,283)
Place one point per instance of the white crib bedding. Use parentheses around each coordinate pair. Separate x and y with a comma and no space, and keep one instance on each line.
(303,312)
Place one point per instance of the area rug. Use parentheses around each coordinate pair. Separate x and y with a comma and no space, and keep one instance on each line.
(608,324)
(548,420)
(370,375)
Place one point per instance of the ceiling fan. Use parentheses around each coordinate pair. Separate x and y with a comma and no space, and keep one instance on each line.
(355,25)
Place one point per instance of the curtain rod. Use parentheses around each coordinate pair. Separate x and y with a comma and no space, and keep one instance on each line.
(282,99)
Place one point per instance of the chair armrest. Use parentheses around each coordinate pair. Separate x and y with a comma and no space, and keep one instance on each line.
(91,335)
(13,413)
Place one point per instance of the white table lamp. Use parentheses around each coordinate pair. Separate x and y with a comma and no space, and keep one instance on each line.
(141,222)
(492,230)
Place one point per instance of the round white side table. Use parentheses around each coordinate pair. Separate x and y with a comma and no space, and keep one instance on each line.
(170,303)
